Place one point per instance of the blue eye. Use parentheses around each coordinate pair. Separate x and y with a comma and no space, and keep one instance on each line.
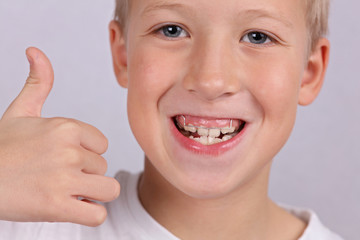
(173,31)
(257,38)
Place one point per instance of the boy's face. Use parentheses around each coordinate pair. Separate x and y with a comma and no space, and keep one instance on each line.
(208,60)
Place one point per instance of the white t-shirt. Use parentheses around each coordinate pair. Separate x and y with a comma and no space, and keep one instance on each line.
(127,219)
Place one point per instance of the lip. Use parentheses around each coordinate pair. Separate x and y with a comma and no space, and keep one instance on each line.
(211,150)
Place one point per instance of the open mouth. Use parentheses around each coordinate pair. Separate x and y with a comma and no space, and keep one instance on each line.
(208,131)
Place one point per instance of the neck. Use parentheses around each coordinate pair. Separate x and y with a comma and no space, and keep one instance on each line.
(246,213)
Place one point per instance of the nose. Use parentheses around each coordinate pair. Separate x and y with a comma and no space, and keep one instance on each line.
(214,70)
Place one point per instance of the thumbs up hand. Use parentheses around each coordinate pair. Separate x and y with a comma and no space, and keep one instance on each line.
(50,169)
(36,89)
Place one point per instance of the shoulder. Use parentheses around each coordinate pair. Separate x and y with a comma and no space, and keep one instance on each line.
(315,230)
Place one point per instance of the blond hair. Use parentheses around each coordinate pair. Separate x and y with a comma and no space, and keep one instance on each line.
(121,12)
(317,14)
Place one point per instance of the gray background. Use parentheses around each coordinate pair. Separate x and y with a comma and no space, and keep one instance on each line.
(318,168)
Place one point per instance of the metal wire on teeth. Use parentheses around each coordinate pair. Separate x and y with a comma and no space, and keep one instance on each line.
(228,128)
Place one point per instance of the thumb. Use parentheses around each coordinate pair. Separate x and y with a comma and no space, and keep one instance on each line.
(37,87)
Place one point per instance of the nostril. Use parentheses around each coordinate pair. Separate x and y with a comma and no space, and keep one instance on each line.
(228,94)
(211,90)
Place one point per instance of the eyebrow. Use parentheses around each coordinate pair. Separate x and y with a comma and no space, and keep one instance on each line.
(249,13)
(166,6)
(263,13)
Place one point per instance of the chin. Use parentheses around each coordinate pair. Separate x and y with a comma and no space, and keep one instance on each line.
(204,185)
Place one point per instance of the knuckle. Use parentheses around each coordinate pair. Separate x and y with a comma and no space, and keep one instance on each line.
(66,181)
(52,197)
(32,80)
(50,205)
(67,126)
(71,156)
(56,206)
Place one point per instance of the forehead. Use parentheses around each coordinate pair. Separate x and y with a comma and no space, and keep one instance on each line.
(287,12)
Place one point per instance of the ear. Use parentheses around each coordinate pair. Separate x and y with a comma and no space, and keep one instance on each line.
(315,72)
(118,50)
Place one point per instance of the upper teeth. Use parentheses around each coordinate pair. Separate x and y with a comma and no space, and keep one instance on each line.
(190,128)
(211,132)
(227,130)
(203,132)
(214,132)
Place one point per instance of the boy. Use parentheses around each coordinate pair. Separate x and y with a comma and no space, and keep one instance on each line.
(213,89)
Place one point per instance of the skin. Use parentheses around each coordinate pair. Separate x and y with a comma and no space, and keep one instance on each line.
(47,163)
(212,71)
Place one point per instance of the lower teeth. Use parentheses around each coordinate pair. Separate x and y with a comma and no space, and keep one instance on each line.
(210,140)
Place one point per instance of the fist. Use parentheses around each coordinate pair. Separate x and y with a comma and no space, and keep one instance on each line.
(50,169)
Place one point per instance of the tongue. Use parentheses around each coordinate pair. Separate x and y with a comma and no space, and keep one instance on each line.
(207,122)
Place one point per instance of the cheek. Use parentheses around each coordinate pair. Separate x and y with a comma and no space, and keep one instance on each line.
(276,87)
(276,90)
(151,74)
